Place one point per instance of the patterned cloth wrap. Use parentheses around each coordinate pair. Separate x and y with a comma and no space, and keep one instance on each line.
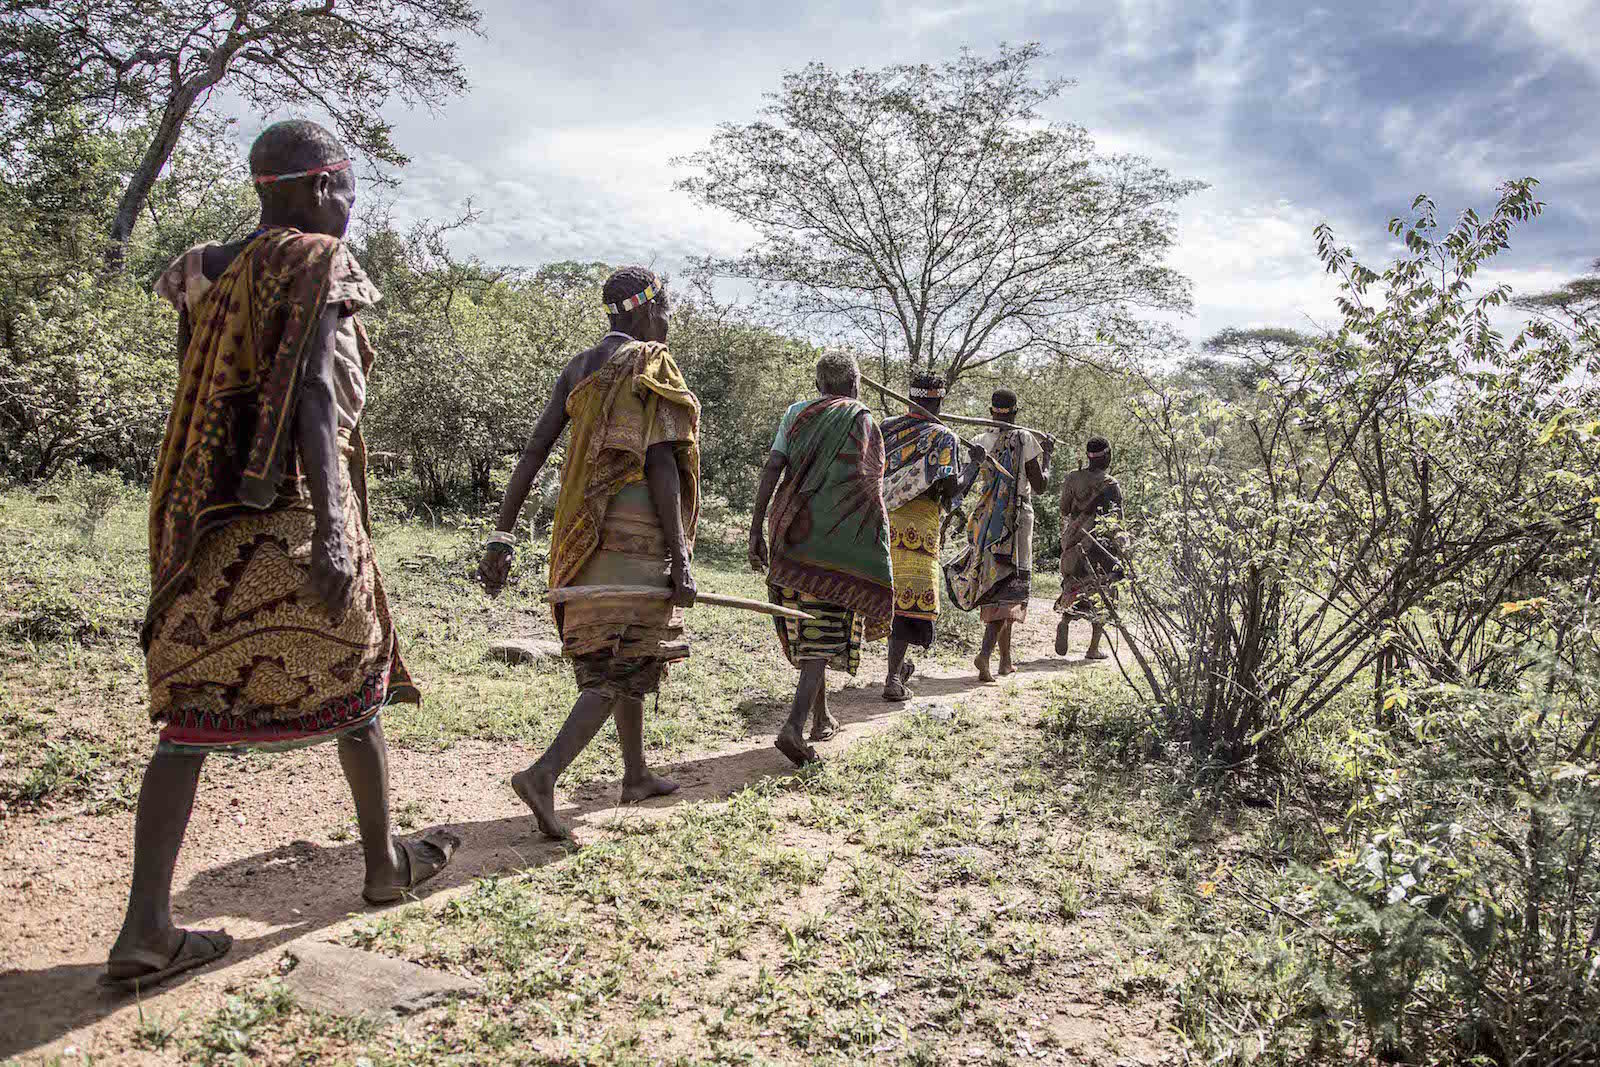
(834,634)
(919,453)
(828,531)
(238,654)
(914,552)
(606,529)
(1090,567)
(994,572)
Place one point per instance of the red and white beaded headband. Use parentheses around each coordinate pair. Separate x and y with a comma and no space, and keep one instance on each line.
(1096,453)
(650,292)
(998,410)
(331,168)
(929,392)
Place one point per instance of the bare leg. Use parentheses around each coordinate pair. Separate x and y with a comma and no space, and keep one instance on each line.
(894,686)
(638,783)
(1095,634)
(813,677)
(364,757)
(991,634)
(166,799)
(1063,635)
(823,724)
(537,785)
(1005,647)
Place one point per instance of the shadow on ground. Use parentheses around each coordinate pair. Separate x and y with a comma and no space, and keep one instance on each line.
(270,888)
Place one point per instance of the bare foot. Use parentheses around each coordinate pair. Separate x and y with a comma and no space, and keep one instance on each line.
(907,669)
(1006,667)
(896,693)
(651,785)
(538,791)
(1095,655)
(983,669)
(791,745)
(824,728)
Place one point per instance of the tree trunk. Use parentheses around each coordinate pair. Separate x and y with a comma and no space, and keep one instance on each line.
(145,174)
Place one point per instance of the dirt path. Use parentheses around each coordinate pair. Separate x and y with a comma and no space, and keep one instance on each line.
(253,864)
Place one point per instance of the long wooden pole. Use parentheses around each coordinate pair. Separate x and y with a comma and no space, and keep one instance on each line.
(886,391)
(965,420)
(651,592)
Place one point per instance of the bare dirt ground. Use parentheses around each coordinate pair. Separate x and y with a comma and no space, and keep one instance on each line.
(270,858)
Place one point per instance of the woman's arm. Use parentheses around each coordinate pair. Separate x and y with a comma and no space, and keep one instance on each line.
(495,567)
(770,473)
(316,430)
(661,475)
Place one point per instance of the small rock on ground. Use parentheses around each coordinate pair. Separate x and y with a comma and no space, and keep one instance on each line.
(526,650)
(348,981)
(937,710)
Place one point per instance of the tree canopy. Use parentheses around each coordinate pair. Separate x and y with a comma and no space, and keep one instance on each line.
(154,62)
(930,213)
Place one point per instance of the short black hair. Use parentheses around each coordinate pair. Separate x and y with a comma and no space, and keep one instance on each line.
(927,380)
(628,281)
(1003,399)
(1097,444)
(294,145)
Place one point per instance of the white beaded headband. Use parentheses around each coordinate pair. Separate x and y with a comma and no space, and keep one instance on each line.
(651,291)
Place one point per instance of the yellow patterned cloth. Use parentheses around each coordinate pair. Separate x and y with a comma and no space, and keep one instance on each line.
(607,531)
(914,554)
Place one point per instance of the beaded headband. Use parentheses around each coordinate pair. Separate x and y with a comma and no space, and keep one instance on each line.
(331,168)
(1096,453)
(651,291)
(928,392)
(998,410)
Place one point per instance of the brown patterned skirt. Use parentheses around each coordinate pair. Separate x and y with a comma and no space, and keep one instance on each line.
(245,657)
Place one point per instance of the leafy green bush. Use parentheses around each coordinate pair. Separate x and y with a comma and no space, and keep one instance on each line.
(1365,512)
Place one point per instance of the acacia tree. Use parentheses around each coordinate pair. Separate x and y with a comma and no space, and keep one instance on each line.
(129,59)
(930,213)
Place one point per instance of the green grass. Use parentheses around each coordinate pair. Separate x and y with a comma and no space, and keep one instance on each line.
(938,892)
(73,727)
(936,889)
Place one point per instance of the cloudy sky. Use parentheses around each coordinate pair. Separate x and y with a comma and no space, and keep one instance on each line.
(1294,114)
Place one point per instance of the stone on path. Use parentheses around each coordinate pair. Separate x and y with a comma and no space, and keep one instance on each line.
(526,650)
(937,710)
(348,981)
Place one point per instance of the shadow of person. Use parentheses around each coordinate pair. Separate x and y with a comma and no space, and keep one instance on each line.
(284,893)
(300,887)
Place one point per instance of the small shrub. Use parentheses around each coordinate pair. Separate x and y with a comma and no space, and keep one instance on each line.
(50,614)
(87,498)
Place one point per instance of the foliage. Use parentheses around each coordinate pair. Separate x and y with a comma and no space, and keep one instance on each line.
(929,214)
(156,61)
(467,356)
(1367,508)
(745,376)
(87,375)
(87,367)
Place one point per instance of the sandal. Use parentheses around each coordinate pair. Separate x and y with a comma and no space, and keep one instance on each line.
(896,692)
(425,857)
(198,948)
(907,669)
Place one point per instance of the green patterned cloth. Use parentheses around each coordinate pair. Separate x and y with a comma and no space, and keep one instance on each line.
(829,532)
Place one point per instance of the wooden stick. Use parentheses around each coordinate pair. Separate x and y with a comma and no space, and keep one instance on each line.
(966,420)
(651,592)
(886,391)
